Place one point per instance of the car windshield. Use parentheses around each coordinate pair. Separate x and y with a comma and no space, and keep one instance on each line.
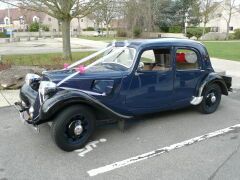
(116,58)
(110,58)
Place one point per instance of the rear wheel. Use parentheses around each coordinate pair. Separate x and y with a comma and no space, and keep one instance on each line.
(211,99)
(73,127)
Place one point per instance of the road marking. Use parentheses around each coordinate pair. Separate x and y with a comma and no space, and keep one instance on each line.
(132,160)
(89,147)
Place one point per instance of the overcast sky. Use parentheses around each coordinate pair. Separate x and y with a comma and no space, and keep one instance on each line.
(3,5)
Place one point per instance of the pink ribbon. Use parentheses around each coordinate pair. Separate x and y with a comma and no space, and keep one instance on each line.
(81,69)
(65,65)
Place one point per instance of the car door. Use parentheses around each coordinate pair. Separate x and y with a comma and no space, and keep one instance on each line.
(188,73)
(152,86)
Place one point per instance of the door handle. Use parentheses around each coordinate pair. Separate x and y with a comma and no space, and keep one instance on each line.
(138,73)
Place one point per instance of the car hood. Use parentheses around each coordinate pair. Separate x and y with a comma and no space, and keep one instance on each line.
(59,75)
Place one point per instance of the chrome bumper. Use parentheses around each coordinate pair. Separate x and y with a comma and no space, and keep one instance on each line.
(25,116)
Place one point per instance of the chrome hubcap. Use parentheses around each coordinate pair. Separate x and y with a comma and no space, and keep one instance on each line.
(213,99)
(78,129)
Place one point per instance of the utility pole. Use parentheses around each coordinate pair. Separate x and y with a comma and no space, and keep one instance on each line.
(186,23)
(9,16)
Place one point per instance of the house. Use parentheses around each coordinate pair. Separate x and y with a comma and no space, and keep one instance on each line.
(19,19)
(218,21)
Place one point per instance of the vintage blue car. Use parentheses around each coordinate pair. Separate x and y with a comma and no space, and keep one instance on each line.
(122,81)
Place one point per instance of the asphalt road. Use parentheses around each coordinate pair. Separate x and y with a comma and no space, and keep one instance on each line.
(27,155)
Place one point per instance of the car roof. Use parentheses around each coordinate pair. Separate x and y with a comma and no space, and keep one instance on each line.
(162,41)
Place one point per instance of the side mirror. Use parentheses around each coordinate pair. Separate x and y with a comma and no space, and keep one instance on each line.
(140,66)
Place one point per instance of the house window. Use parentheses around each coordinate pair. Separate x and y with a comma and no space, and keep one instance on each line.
(35,19)
(81,20)
(6,21)
(49,19)
(214,29)
(231,28)
(156,60)
(186,59)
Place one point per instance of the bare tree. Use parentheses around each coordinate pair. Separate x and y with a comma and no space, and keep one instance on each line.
(207,8)
(64,11)
(230,8)
(107,12)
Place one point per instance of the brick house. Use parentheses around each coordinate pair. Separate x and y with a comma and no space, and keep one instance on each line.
(20,19)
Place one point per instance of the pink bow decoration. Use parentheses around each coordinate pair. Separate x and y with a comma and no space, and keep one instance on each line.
(81,69)
(65,65)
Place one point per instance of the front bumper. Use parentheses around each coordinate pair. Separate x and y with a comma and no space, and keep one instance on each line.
(29,100)
(25,115)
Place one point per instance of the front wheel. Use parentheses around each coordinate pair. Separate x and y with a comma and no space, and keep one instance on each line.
(73,127)
(211,99)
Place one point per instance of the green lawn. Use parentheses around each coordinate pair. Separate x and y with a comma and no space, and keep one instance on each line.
(224,50)
(105,39)
(50,59)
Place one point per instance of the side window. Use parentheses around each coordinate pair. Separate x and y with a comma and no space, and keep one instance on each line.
(156,60)
(186,59)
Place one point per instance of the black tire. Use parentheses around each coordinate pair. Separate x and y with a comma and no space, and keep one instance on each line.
(211,99)
(63,126)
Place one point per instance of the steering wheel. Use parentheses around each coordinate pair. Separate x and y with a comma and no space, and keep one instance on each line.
(116,66)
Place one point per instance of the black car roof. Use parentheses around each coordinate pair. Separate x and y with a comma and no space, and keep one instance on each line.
(162,41)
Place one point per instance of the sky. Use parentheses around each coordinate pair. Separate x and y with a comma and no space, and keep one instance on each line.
(4,5)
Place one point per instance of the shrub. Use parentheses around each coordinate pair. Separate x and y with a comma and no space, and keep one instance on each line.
(89,29)
(121,33)
(45,28)
(34,27)
(196,31)
(3,35)
(237,34)
(175,29)
(137,32)
(164,29)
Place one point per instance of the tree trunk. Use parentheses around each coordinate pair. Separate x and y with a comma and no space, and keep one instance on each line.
(227,35)
(79,27)
(67,54)
(107,31)
(204,29)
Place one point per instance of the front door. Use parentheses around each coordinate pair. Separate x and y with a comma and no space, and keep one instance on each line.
(152,84)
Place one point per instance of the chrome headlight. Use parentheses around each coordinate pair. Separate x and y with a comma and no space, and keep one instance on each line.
(31,77)
(47,87)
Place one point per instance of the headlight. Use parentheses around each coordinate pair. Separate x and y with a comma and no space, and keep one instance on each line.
(31,77)
(47,87)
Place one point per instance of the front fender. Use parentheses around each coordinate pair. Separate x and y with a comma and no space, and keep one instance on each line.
(213,78)
(66,98)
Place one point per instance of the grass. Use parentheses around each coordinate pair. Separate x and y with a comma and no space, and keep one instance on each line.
(102,38)
(42,60)
(224,50)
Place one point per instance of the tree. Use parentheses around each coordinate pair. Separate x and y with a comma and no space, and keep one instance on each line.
(169,13)
(229,7)
(106,12)
(207,9)
(64,11)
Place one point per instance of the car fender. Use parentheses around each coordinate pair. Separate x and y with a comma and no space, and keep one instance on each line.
(66,98)
(213,78)
(209,79)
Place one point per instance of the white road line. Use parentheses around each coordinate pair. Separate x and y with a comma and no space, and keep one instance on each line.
(157,152)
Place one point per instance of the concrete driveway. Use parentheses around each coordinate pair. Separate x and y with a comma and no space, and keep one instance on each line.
(48,46)
(116,155)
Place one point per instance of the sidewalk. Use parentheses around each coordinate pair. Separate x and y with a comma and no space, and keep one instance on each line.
(11,95)
(232,69)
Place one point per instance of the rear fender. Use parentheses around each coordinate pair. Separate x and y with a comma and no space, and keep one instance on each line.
(213,78)
(209,79)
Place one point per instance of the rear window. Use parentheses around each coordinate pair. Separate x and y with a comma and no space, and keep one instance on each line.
(186,59)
